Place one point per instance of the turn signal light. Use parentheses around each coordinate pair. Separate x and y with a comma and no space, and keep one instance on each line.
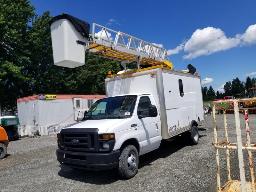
(107,136)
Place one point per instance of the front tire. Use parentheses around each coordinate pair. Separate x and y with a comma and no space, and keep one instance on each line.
(128,162)
(3,150)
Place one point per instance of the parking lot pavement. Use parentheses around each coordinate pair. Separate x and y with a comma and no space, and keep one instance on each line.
(32,166)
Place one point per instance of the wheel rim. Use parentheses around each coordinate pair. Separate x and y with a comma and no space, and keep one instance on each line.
(131,161)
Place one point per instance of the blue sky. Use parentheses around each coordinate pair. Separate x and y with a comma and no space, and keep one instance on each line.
(216,36)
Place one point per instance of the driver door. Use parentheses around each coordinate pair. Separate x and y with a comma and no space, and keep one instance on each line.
(150,124)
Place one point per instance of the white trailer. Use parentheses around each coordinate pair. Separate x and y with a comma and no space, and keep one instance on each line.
(47,114)
(143,107)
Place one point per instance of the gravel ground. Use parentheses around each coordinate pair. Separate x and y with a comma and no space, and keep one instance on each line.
(32,166)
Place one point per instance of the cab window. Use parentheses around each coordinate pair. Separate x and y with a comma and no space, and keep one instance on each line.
(144,105)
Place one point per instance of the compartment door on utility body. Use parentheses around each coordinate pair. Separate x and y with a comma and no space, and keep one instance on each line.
(149,122)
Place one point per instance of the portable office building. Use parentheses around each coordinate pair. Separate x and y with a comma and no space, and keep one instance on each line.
(47,114)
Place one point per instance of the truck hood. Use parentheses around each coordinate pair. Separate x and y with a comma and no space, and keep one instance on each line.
(104,125)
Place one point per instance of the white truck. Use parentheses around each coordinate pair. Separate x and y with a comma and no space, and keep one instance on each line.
(142,108)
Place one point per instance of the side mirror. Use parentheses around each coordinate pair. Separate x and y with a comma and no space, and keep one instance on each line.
(152,111)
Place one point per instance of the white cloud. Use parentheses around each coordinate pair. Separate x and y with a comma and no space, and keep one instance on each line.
(251,74)
(209,40)
(176,50)
(249,37)
(207,80)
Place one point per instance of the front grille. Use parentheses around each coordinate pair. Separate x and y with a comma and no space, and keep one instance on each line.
(79,140)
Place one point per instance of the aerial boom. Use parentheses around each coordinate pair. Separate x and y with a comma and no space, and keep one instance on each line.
(71,39)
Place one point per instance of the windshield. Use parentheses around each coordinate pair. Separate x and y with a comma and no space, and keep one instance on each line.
(112,108)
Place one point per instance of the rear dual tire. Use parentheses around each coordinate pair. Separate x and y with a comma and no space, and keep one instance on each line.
(194,135)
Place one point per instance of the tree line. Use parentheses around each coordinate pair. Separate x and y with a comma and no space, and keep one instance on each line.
(235,88)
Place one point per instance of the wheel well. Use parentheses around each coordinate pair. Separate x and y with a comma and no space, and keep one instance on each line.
(131,142)
(194,123)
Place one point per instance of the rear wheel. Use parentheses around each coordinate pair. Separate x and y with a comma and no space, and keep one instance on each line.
(128,162)
(3,150)
(194,135)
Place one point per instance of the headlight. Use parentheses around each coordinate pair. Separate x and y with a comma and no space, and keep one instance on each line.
(106,141)
(107,136)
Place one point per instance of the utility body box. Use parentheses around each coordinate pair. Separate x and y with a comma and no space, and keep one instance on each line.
(178,96)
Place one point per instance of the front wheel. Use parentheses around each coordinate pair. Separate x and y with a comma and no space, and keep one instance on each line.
(3,150)
(128,162)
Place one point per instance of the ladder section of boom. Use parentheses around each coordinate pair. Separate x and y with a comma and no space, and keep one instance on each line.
(121,46)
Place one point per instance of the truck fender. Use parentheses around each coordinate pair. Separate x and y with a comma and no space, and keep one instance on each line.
(133,142)
(125,140)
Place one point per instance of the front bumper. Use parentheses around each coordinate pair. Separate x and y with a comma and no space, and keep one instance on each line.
(92,161)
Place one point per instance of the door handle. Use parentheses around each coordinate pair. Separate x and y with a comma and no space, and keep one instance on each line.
(133,125)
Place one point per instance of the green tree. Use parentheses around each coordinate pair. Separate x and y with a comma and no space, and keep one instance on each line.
(228,88)
(237,88)
(204,93)
(254,82)
(14,18)
(219,95)
(90,78)
(211,93)
(248,85)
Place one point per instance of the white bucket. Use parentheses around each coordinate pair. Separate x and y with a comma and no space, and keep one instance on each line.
(66,51)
